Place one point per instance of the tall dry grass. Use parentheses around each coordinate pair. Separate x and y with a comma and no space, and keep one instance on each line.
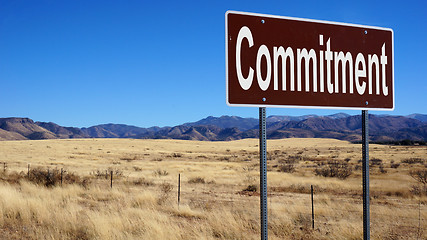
(143,201)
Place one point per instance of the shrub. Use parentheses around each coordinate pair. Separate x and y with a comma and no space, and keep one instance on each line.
(106,173)
(419,175)
(49,177)
(12,177)
(334,168)
(100,173)
(42,177)
(251,188)
(413,160)
(160,173)
(303,221)
(382,170)
(142,181)
(419,190)
(165,189)
(85,182)
(287,168)
(196,180)
(375,161)
(70,178)
(394,165)
(137,169)
(294,158)
(129,158)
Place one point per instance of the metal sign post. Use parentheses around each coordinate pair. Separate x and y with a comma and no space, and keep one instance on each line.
(365,174)
(263,172)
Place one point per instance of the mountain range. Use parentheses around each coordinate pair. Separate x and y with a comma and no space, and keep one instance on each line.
(382,128)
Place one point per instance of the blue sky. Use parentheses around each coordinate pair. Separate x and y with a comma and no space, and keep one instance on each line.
(162,63)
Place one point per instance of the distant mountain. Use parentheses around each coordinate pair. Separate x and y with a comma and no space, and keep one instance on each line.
(23,128)
(338,115)
(421,117)
(244,124)
(99,132)
(184,132)
(63,132)
(275,118)
(227,122)
(348,128)
(117,131)
(7,135)
(338,126)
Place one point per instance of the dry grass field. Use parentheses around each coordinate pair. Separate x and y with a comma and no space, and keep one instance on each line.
(219,189)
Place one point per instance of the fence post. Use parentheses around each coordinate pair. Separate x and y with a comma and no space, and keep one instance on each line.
(111,184)
(28,173)
(4,167)
(61,176)
(419,219)
(312,207)
(179,188)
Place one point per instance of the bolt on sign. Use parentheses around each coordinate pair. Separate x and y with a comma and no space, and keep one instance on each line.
(274,61)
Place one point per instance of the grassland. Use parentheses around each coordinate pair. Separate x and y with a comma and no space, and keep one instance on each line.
(219,184)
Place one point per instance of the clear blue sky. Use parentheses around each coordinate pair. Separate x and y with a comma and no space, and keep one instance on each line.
(147,63)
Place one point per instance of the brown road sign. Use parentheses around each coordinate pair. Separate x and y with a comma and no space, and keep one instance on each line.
(291,62)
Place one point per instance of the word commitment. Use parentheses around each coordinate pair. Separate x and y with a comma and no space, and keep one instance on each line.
(362,69)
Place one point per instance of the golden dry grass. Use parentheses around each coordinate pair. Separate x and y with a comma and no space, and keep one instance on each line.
(143,201)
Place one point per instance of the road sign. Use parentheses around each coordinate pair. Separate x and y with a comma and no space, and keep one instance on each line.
(274,61)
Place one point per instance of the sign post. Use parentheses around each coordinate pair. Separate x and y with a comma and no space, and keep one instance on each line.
(365,174)
(263,172)
(275,61)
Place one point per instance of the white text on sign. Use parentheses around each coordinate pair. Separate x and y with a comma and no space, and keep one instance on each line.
(359,67)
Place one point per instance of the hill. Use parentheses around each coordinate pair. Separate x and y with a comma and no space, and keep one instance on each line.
(382,128)
(227,122)
(23,128)
(421,117)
